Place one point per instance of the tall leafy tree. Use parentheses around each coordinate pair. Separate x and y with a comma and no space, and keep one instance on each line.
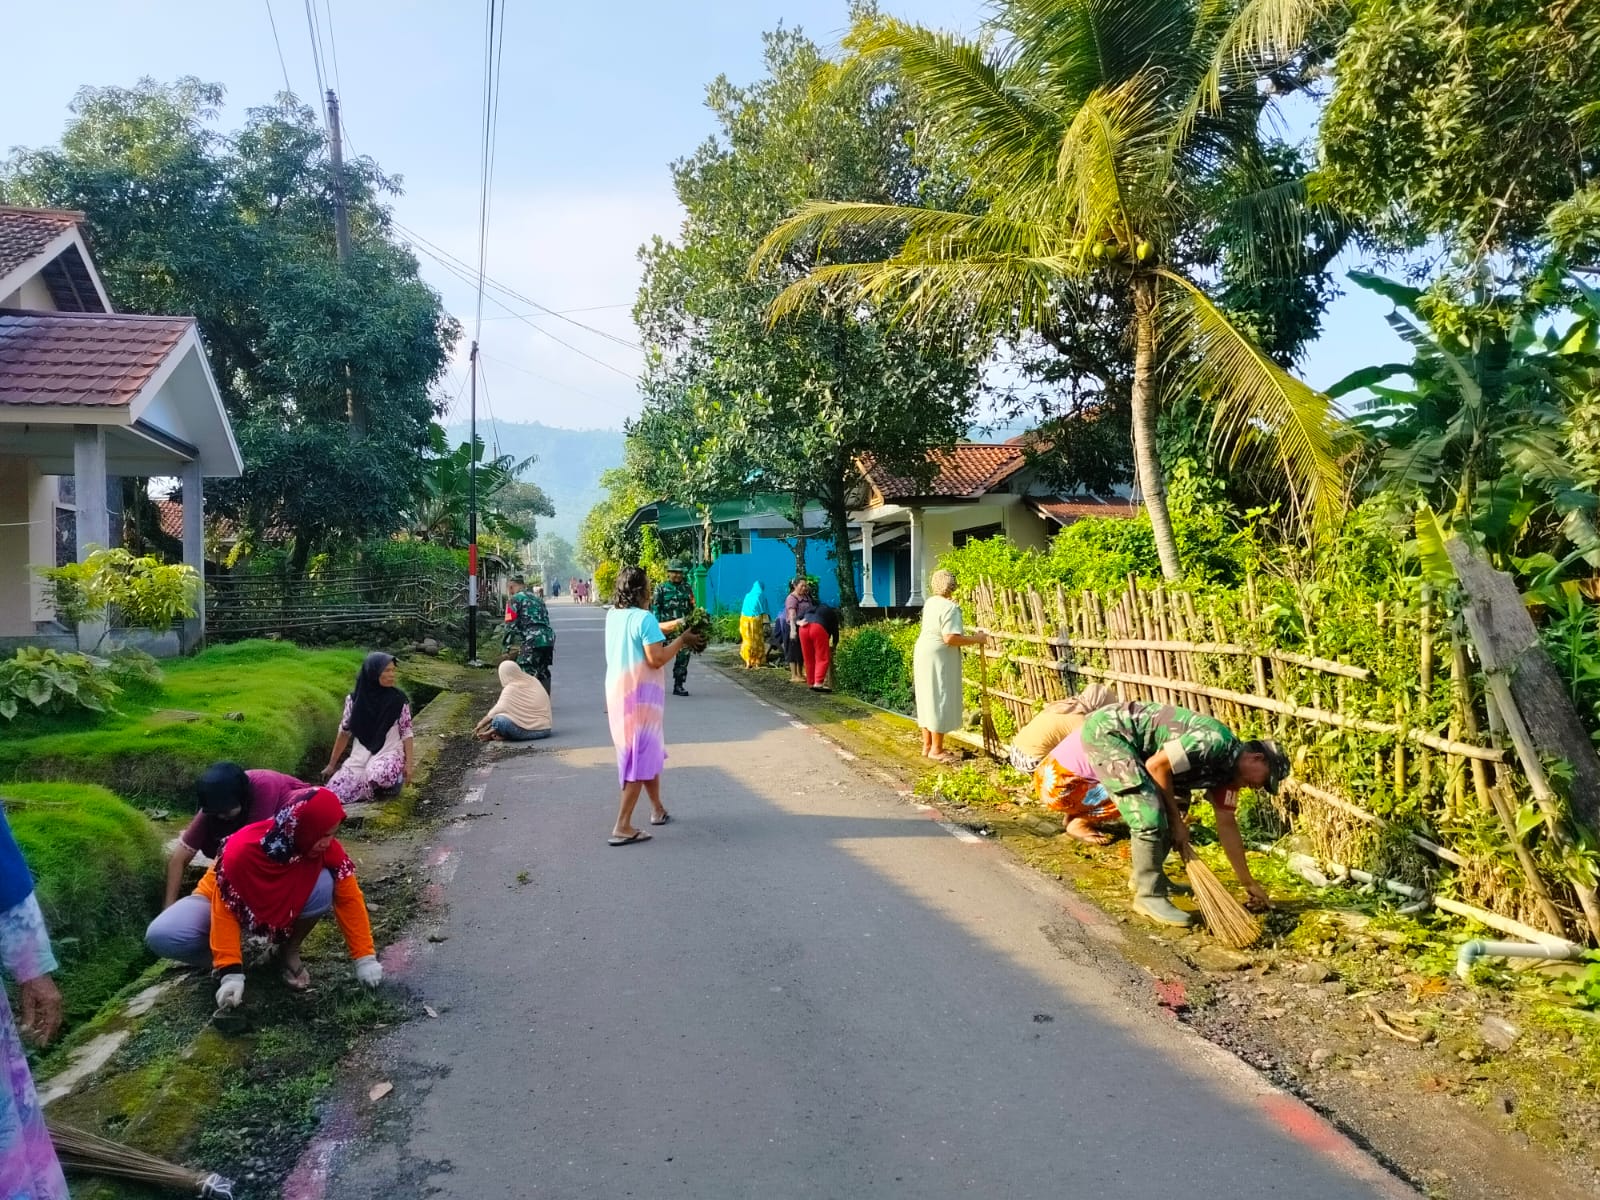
(1101,158)
(735,405)
(238,231)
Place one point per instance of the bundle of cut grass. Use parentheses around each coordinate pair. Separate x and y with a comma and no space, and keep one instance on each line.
(1229,921)
(80,1150)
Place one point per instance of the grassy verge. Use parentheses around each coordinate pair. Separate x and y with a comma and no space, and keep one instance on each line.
(96,865)
(264,704)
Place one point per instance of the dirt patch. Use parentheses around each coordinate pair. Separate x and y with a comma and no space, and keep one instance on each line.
(1470,1091)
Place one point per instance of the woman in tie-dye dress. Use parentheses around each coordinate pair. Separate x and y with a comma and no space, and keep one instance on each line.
(28,1166)
(636,651)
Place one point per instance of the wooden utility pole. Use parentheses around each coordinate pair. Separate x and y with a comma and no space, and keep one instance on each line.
(341,234)
(341,213)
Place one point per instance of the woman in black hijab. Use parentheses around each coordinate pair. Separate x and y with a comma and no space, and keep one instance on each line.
(376,729)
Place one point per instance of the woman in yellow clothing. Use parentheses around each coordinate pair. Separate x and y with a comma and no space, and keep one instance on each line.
(262,881)
(753,627)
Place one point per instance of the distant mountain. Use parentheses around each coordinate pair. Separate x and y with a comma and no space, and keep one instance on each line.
(568,467)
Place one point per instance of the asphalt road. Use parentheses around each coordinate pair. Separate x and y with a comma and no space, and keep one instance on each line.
(802,987)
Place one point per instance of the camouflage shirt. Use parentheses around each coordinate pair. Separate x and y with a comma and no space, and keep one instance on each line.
(672,601)
(1204,752)
(528,622)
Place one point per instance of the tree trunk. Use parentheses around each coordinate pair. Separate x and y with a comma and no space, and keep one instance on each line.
(1146,460)
(799,518)
(843,561)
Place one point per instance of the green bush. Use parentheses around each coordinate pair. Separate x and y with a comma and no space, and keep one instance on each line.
(874,663)
(284,703)
(96,865)
(48,681)
(725,627)
(605,581)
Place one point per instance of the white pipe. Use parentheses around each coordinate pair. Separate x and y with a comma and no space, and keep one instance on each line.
(1538,945)
(1551,951)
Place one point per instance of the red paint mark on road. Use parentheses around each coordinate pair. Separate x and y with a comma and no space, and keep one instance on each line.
(1084,914)
(1304,1125)
(310,1177)
(1171,994)
(399,958)
(433,895)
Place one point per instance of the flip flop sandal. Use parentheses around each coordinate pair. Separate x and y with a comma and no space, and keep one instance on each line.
(629,840)
(665,817)
(295,981)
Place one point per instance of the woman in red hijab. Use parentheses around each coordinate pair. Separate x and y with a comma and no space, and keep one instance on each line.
(260,885)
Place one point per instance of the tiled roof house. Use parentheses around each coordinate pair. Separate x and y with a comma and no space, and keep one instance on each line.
(88,396)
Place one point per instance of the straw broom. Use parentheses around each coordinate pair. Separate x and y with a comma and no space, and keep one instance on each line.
(79,1150)
(1229,921)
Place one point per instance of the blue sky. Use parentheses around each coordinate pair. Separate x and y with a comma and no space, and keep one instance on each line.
(597,98)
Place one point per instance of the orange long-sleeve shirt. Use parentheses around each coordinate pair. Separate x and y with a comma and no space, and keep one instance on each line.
(349,910)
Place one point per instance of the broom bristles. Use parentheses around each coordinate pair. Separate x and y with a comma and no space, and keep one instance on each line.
(1229,921)
(89,1152)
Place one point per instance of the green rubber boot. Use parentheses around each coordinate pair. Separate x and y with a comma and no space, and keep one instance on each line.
(1148,850)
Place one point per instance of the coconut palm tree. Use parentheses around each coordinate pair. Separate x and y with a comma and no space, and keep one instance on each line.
(1104,139)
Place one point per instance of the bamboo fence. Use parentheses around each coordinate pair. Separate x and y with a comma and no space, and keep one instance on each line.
(243,606)
(1385,776)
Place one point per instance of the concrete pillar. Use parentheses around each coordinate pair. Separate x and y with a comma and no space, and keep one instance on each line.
(194,550)
(93,522)
(868,600)
(916,597)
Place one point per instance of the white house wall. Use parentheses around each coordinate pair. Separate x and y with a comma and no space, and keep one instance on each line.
(34,295)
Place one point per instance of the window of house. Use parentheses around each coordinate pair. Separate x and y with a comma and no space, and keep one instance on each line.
(963,536)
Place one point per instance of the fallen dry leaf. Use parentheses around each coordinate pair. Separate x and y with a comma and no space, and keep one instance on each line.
(380,1090)
(428,1008)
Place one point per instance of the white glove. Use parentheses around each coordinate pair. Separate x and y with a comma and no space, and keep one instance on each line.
(369,971)
(231,993)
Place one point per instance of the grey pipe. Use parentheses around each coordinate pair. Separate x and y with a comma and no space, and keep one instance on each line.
(1551,951)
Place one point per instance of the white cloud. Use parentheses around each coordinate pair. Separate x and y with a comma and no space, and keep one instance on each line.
(564,249)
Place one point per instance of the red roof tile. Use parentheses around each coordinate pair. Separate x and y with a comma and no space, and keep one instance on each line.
(1073,508)
(98,359)
(169,516)
(25,232)
(969,469)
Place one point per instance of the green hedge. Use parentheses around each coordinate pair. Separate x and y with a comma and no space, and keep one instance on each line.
(96,865)
(286,703)
(874,663)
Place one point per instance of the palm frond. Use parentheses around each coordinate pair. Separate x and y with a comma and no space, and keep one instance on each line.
(1073,48)
(1257,407)
(966,97)
(1101,154)
(1262,32)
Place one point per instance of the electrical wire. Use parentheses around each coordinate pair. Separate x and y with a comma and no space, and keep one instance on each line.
(506,290)
(316,54)
(566,387)
(464,274)
(494,427)
(493,45)
(333,46)
(282,62)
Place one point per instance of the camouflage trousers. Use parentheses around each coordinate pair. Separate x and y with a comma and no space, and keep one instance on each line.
(680,668)
(1120,769)
(537,661)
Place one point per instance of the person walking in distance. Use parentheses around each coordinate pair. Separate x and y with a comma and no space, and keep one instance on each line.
(672,602)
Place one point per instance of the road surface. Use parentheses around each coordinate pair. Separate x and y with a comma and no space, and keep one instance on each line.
(802,987)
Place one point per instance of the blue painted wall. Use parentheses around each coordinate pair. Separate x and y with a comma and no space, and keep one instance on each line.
(771,561)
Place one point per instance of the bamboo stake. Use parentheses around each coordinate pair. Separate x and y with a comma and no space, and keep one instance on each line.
(1438,851)
(1425,680)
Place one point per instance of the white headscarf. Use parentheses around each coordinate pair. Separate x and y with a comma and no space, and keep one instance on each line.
(522,698)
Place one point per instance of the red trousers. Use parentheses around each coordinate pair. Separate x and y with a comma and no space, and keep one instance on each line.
(817,652)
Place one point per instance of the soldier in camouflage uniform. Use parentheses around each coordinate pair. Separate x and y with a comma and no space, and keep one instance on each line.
(1149,757)
(528,626)
(672,602)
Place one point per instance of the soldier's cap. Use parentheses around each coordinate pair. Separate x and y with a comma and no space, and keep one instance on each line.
(1277,761)
(677,567)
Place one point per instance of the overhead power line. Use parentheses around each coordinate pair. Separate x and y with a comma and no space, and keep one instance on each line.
(316,49)
(333,46)
(282,62)
(439,254)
